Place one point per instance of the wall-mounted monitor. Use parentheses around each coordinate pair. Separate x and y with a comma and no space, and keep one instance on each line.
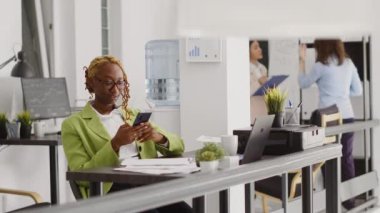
(46,98)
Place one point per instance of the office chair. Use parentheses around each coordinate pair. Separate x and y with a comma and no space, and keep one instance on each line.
(331,120)
(38,202)
(270,188)
(75,189)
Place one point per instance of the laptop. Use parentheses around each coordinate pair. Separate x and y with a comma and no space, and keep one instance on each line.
(257,139)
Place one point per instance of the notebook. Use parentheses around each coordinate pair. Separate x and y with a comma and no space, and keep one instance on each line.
(257,139)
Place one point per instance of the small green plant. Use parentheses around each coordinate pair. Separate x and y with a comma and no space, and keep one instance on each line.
(24,118)
(3,118)
(209,152)
(274,100)
(3,125)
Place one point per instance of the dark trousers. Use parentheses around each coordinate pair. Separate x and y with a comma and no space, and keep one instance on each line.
(182,207)
(347,160)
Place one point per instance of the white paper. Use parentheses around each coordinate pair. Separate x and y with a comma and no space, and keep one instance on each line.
(204,138)
(158,170)
(157,162)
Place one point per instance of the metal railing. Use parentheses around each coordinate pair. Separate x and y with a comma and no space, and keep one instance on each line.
(147,197)
(197,185)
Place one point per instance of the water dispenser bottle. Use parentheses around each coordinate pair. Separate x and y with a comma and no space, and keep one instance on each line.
(162,72)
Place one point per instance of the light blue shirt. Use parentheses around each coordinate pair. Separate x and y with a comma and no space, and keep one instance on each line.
(336,83)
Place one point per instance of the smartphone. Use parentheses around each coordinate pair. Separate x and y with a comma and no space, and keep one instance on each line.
(142,117)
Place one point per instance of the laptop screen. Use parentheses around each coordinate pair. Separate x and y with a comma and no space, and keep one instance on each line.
(257,139)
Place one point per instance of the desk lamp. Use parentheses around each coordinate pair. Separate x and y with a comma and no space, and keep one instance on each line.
(21,68)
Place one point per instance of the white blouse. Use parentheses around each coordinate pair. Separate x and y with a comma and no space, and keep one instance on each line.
(111,123)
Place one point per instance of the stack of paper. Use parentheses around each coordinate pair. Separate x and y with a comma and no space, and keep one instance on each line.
(159,166)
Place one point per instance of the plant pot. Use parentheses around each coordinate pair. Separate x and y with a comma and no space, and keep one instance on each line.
(278,121)
(3,131)
(25,131)
(209,166)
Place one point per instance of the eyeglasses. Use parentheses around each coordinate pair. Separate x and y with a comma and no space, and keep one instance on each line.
(109,84)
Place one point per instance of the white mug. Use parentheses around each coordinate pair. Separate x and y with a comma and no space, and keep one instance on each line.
(39,128)
(230,144)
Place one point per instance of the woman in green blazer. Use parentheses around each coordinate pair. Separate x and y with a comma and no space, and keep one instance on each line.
(96,136)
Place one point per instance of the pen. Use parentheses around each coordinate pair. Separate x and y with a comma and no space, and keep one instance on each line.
(299,105)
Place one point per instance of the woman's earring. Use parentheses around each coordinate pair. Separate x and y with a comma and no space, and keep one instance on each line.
(91,96)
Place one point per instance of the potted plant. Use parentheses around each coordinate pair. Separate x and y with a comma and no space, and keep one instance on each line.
(274,100)
(209,156)
(26,124)
(3,125)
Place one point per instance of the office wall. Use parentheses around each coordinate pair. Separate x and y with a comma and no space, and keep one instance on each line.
(10,32)
(77,40)
(238,81)
(115,31)
(215,99)
(143,21)
(215,95)
(140,22)
(64,44)
(87,40)
(203,98)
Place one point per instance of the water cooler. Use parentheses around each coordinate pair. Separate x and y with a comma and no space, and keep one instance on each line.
(162,82)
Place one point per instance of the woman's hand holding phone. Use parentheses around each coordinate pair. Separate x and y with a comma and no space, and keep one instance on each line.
(141,131)
(126,134)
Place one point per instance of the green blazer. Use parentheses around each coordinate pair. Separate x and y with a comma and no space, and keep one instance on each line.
(87,144)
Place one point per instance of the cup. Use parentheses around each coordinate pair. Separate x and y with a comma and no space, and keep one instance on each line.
(13,130)
(39,129)
(292,115)
(230,144)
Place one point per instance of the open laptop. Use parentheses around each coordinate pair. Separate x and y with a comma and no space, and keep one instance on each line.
(257,139)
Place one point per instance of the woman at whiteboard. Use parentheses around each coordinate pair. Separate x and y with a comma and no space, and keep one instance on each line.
(102,132)
(258,76)
(337,79)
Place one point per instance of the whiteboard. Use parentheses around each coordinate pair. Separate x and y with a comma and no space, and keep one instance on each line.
(283,60)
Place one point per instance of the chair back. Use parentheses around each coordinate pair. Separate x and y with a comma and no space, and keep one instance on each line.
(316,115)
(336,118)
(328,116)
